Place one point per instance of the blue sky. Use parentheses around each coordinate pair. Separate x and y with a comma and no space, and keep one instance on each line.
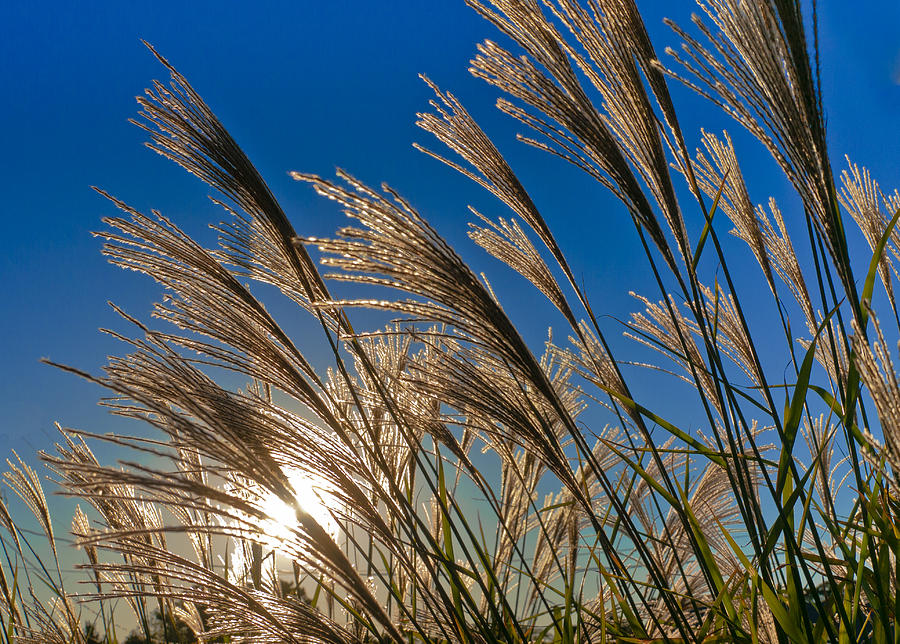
(307,86)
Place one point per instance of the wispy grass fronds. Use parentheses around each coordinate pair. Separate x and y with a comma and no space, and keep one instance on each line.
(441,480)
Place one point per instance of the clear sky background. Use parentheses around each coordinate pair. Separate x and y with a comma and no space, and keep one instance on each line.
(310,86)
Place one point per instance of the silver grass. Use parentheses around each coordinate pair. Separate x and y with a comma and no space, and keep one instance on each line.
(892,201)
(51,625)
(560,514)
(877,371)
(755,66)
(783,258)
(508,242)
(210,301)
(862,198)
(240,613)
(56,619)
(819,435)
(731,335)
(577,534)
(617,53)
(183,129)
(573,128)
(398,249)
(454,127)
(521,473)
(665,329)
(712,501)
(25,482)
(590,360)
(831,474)
(721,168)
(233,420)
(833,360)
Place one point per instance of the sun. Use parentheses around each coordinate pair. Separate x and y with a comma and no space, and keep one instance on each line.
(311,495)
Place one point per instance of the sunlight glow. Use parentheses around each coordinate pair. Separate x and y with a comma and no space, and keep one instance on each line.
(311,496)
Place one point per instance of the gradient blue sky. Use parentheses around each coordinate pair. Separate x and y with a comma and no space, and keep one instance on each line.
(306,86)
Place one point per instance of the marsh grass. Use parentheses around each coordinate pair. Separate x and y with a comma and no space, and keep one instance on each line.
(326,505)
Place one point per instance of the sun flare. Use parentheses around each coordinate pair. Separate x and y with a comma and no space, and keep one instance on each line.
(312,497)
